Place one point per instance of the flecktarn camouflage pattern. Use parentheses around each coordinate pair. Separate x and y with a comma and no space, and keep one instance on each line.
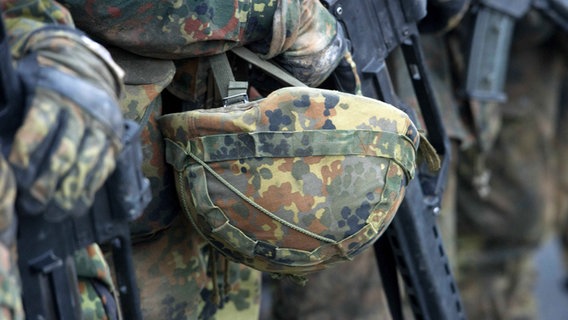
(294,182)
(96,289)
(10,290)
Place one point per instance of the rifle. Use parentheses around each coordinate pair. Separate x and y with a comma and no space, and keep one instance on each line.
(412,243)
(555,10)
(46,248)
(489,47)
(487,51)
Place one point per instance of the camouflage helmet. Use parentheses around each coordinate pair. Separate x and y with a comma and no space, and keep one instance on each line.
(295,182)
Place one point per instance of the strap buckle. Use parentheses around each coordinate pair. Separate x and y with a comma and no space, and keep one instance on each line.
(234,99)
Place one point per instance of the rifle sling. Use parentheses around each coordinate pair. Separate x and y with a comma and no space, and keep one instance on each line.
(268,67)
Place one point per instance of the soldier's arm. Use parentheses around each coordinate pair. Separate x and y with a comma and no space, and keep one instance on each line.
(64,84)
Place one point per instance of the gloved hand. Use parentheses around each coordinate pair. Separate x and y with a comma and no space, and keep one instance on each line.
(72,129)
(10,301)
(306,41)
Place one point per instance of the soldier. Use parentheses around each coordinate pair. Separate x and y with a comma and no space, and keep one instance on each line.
(161,47)
(502,220)
(508,191)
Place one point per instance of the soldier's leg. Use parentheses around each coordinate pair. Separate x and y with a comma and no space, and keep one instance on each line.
(498,232)
(350,290)
(562,167)
(496,287)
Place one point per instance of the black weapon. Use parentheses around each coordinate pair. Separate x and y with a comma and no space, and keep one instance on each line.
(488,40)
(489,47)
(555,10)
(413,244)
(46,248)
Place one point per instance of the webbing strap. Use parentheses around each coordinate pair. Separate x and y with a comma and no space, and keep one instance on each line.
(230,90)
(270,144)
(222,72)
(268,67)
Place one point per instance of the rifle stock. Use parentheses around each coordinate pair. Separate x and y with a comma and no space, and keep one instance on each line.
(412,239)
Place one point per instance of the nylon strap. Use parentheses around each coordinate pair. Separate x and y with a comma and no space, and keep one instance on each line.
(307,143)
(222,72)
(230,90)
(268,67)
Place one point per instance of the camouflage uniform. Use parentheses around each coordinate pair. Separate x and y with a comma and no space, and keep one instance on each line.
(347,291)
(496,235)
(161,45)
(491,239)
(85,136)
(498,231)
(10,302)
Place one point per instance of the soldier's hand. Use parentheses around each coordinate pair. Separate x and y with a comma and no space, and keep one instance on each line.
(71,133)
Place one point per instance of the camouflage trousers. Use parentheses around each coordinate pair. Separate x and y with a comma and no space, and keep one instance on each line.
(499,231)
(528,185)
(100,301)
(174,284)
(499,290)
(350,290)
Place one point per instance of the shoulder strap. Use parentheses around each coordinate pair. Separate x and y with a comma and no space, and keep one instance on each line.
(232,91)
(268,67)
